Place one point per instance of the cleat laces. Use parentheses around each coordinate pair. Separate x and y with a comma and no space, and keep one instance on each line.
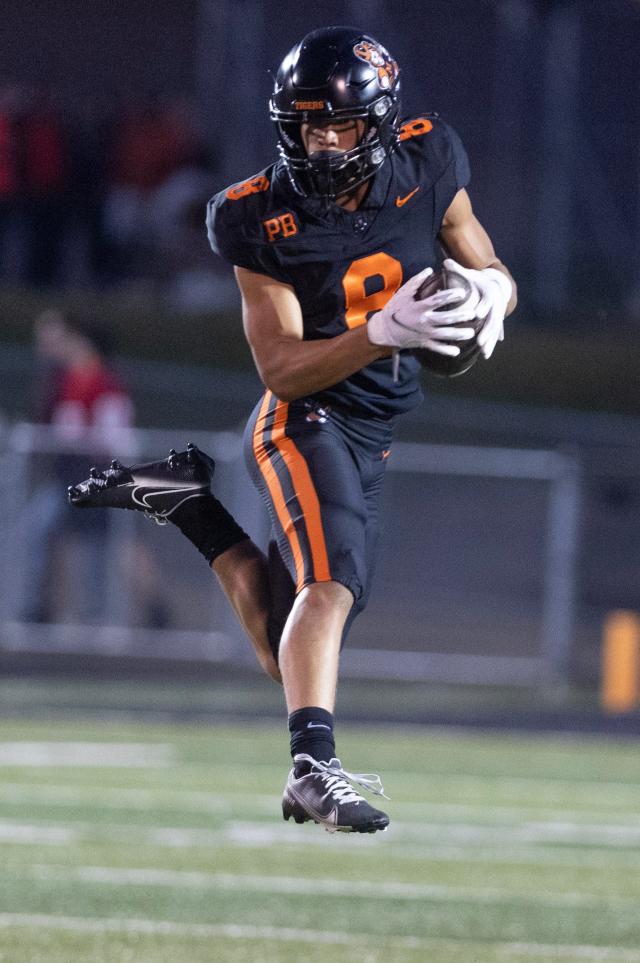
(338,781)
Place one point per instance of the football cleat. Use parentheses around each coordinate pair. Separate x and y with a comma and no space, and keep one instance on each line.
(326,795)
(157,489)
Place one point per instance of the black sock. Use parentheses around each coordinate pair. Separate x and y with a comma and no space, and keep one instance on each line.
(208,525)
(311,731)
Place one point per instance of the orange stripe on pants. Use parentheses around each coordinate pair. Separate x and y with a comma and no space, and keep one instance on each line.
(275,489)
(305,492)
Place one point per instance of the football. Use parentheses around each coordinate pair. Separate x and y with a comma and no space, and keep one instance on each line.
(442,364)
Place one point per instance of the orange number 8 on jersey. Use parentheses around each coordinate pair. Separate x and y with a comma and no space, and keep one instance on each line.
(358,303)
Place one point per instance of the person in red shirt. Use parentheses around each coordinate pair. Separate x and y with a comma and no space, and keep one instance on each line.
(89,393)
(80,395)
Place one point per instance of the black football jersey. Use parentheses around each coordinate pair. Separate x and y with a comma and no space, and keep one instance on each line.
(344,265)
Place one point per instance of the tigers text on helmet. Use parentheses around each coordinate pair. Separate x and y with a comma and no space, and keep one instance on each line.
(336,74)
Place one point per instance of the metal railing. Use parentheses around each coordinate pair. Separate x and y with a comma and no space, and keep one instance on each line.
(485,592)
(560,474)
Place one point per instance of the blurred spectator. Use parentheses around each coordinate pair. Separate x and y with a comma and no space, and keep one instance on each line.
(192,278)
(99,193)
(77,392)
(152,141)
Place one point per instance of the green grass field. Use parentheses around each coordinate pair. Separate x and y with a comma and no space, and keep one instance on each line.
(142,842)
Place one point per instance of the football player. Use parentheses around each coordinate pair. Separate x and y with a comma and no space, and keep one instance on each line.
(330,244)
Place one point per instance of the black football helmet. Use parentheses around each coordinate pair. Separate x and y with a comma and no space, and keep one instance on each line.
(336,73)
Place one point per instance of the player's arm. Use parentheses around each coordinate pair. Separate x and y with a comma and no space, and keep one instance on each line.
(471,254)
(289,366)
(466,241)
(293,368)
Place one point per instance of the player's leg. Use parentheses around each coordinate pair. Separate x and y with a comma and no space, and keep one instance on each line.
(310,645)
(243,574)
(311,485)
(369,448)
(318,788)
(308,479)
(177,489)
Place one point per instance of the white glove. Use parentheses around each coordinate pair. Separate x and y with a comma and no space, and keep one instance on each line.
(406,323)
(494,289)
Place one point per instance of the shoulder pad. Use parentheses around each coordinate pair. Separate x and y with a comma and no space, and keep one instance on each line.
(439,145)
(236,227)
(254,185)
(234,214)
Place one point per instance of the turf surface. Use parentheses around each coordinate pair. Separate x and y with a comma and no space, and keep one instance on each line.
(144,842)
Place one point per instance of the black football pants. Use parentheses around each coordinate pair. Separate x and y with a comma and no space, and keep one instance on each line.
(320,473)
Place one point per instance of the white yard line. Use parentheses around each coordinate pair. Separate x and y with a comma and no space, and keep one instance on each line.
(78,797)
(554,790)
(438,842)
(265,835)
(273,837)
(470,833)
(617,954)
(51,794)
(129,755)
(86,832)
(580,834)
(523,855)
(516,813)
(60,835)
(308,886)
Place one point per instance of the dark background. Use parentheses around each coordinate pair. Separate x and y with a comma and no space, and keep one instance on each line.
(544,94)
(546,97)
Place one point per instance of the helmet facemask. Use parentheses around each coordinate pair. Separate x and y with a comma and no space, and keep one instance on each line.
(337,172)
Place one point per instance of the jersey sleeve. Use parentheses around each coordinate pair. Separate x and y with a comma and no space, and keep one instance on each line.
(446,165)
(459,157)
(235,231)
(435,151)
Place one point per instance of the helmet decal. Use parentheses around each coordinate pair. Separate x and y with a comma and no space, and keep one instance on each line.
(376,55)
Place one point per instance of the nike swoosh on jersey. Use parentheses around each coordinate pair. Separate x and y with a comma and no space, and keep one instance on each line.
(401,201)
(317,725)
